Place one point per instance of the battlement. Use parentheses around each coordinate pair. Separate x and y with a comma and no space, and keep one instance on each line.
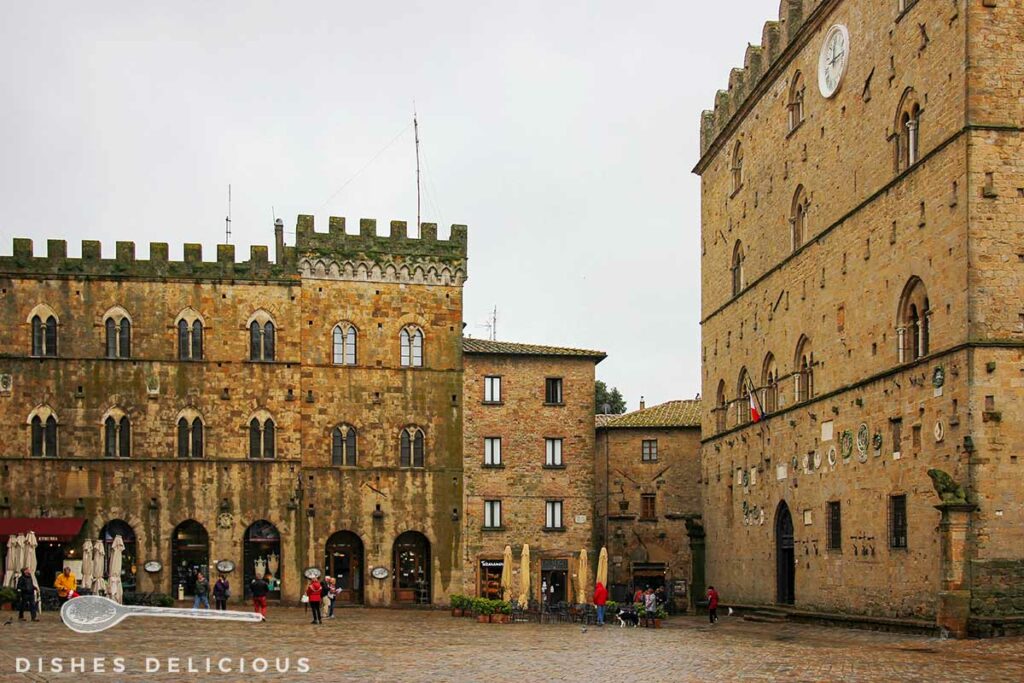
(23,261)
(776,36)
(396,245)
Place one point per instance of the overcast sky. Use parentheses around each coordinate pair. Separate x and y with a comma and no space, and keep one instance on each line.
(562,133)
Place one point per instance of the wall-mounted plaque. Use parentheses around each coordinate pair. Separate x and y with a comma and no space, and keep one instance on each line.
(152,566)
(380,573)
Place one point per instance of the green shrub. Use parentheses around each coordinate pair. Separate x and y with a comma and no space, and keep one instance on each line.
(458,601)
(611,607)
(484,606)
(164,600)
(505,607)
(661,613)
(8,595)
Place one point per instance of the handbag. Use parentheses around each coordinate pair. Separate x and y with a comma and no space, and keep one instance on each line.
(304,599)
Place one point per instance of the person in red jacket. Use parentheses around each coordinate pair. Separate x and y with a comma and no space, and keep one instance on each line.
(712,604)
(313,592)
(600,598)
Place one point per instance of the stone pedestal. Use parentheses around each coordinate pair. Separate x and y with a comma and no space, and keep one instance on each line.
(954,606)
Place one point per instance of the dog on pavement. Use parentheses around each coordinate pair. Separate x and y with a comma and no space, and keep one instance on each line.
(628,615)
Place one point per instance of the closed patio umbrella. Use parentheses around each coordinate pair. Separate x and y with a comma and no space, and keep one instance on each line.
(99,560)
(19,556)
(506,574)
(86,581)
(602,567)
(524,576)
(29,553)
(11,563)
(115,589)
(582,576)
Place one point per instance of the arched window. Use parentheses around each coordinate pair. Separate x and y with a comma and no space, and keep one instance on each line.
(262,333)
(798,217)
(804,362)
(190,335)
(913,325)
(737,268)
(737,167)
(412,347)
(190,434)
(117,434)
(343,344)
(743,385)
(411,447)
(262,433)
(907,133)
(43,424)
(343,446)
(795,103)
(770,382)
(44,331)
(118,327)
(721,407)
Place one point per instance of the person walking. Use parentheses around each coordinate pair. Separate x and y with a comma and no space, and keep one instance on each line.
(221,592)
(202,592)
(259,588)
(315,595)
(65,585)
(600,598)
(712,605)
(26,589)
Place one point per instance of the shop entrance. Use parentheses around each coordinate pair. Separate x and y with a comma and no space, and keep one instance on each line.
(343,560)
(554,580)
(490,579)
(785,557)
(190,555)
(412,569)
(110,531)
(649,575)
(262,554)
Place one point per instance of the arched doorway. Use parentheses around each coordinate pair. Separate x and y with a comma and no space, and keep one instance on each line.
(343,560)
(785,556)
(261,554)
(411,569)
(110,531)
(190,554)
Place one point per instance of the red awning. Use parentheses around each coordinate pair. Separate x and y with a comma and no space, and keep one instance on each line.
(45,528)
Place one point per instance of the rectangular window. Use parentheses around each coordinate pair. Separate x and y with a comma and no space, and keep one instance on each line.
(647,506)
(897,434)
(835,526)
(492,514)
(898,521)
(492,450)
(553,390)
(649,450)
(553,452)
(553,517)
(492,389)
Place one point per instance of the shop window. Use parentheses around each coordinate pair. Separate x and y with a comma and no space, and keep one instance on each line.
(553,390)
(553,453)
(411,447)
(898,521)
(343,446)
(412,347)
(834,529)
(343,344)
(649,450)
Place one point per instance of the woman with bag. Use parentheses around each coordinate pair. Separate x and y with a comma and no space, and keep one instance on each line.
(221,592)
(313,597)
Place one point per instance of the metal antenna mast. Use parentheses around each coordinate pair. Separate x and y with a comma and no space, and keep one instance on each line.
(416,136)
(227,219)
(494,324)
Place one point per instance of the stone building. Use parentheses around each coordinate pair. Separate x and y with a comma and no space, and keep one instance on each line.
(528,464)
(861,188)
(279,415)
(648,500)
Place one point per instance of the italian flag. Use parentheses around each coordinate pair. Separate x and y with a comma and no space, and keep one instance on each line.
(756,411)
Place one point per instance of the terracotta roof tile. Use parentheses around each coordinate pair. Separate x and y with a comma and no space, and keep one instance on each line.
(486,346)
(670,414)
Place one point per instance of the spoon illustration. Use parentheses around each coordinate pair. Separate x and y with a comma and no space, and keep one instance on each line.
(94,613)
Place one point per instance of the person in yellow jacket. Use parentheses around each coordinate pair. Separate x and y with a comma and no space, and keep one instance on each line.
(65,585)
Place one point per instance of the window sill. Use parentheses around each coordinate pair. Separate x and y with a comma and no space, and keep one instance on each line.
(736,191)
(493,528)
(492,403)
(647,519)
(898,549)
(794,129)
(553,529)
(554,467)
(555,405)
(495,466)
(649,461)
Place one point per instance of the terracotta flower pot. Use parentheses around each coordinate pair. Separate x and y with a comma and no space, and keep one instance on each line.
(456,612)
(483,618)
(657,623)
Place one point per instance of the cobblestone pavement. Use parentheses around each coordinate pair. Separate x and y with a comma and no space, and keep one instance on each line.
(393,645)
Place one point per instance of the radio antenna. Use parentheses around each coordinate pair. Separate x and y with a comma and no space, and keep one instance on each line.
(227,219)
(416,137)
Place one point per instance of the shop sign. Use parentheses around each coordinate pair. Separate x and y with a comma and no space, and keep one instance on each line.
(379,573)
(554,565)
(152,566)
(225,566)
(492,564)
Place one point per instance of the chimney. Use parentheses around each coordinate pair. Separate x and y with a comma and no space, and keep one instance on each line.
(279,240)
(642,403)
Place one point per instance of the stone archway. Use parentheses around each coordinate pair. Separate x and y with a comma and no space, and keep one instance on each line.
(785,556)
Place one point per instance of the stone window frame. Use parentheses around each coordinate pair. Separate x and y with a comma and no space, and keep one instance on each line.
(770,383)
(906,134)
(913,322)
(648,450)
(490,383)
(554,511)
(345,335)
(743,383)
(188,342)
(411,341)
(492,506)
(834,526)
(803,363)
(799,209)
(490,452)
(194,424)
(721,409)
(736,268)
(43,425)
(263,336)
(899,536)
(117,326)
(344,450)
(257,426)
(795,102)
(412,447)
(554,391)
(44,327)
(736,168)
(554,458)
(648,507)
(117,433)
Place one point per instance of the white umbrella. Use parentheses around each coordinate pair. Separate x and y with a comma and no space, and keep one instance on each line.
(86,581)
(19,555)
(98,562)
(29,553)
(116,591)
(11,564)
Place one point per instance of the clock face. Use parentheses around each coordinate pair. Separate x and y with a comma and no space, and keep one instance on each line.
(835,55)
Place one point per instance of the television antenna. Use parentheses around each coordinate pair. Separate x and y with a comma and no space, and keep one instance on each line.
(227,219)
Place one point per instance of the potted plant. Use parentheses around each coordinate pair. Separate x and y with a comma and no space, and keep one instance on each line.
(458,603)
(658,616)
(483,608)
(502,610)
(8,596)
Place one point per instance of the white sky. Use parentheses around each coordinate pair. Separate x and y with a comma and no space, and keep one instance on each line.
(562,133)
